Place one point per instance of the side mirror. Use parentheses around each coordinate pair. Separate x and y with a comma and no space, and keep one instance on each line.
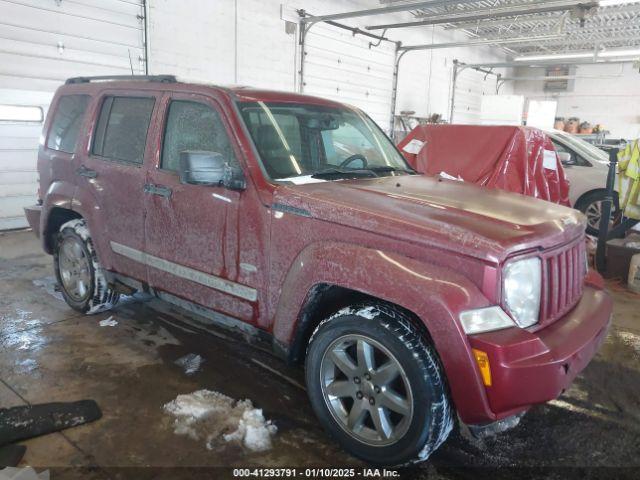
(209,168)
(566,158)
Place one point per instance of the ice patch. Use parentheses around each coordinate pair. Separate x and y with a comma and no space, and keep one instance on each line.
(213,416)
(108,322)
(190,363)
(49,285)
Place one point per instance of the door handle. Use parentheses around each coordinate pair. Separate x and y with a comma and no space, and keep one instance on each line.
(157,190)
(86,172)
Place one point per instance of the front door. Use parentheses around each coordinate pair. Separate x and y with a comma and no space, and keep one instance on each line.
(192,230)
(111,178)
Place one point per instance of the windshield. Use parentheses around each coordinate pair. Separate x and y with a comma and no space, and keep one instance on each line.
(303,141)
(585,149)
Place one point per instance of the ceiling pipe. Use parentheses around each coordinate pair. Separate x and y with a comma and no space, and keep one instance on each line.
(489,13)
(559,77)
(549,63)
(488,41)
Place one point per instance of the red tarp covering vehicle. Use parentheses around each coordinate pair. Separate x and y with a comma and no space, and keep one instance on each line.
(516,159)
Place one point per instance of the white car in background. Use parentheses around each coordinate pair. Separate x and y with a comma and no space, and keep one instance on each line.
(586,168)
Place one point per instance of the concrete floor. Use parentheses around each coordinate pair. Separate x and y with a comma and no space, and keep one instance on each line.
(50,353)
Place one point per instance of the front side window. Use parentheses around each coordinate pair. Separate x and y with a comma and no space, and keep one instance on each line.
(576,159)
(66,122)
(193,126)
(301,140)
(121,133)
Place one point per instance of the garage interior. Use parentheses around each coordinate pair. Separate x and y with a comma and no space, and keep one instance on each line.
(553,65)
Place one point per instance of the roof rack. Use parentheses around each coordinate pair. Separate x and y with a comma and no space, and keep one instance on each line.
(145,78)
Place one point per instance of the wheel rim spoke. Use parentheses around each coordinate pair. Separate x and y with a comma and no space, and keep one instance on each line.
(395,402)
(386,373)
(341,389)
(381,422)
(365,356)
(356,416)
(342,360)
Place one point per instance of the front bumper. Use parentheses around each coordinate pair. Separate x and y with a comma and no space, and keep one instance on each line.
(529,368)
(33,217)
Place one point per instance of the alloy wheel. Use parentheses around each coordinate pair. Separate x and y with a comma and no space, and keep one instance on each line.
(366,390)
(74,267)
(593,213)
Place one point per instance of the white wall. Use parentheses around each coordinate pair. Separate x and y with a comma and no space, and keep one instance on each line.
(244,42)
(611,96)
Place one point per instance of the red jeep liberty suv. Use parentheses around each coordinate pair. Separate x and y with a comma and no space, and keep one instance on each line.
(410,300)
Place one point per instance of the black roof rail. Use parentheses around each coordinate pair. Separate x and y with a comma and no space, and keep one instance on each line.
(145,78)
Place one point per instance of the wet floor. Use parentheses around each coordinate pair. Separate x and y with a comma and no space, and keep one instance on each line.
(126,361)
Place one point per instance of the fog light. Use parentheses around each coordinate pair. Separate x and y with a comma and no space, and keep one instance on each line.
(482,359)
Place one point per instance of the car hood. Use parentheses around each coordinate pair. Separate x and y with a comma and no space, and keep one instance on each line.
(472,220)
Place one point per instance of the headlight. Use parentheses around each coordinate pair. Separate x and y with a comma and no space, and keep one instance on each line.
(485,320)
(521,290)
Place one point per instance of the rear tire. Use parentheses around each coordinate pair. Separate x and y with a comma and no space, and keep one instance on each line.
(377,386)
(80,277)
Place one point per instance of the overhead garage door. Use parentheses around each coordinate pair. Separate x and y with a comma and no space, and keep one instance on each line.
(342,67)
(43,42)
(471,85)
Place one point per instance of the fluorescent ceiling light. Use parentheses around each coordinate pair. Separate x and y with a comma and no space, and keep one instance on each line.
(620,53)
(609,3)
(558,56)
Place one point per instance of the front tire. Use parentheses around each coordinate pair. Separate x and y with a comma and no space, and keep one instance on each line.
(591,206)
(377,386)
(80,277)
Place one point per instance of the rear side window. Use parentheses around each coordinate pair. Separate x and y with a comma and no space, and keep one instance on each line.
(193,126)
(121,133)
(66,123)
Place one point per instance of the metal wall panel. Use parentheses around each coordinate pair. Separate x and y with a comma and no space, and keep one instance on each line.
(42,43)
(342,67)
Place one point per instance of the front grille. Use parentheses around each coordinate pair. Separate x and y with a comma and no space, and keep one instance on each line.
(563,278)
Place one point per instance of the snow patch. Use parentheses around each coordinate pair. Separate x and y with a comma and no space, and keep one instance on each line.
(368,312)
(108,322)
(23,473)
(213,416)
(629,339)
(190,363)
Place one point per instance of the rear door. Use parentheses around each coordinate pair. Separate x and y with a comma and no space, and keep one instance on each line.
(113,178)
(192,231)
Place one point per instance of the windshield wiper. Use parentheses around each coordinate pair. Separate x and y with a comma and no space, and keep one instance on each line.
(388,168)
(344,172)
(368,172)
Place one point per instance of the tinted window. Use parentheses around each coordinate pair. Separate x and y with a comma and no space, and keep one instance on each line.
(193,126)
(66,122)
(121,133)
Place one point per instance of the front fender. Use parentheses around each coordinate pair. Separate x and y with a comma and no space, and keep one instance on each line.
(436,295)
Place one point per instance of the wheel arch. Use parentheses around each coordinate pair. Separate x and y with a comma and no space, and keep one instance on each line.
(584,195)
(324,300)
(56,217)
